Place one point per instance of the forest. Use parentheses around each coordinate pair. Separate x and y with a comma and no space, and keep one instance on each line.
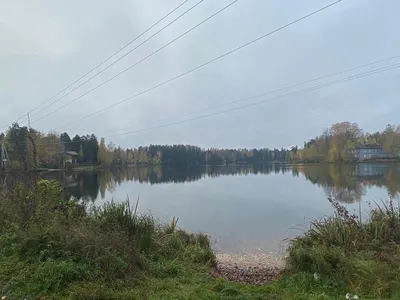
(29,149)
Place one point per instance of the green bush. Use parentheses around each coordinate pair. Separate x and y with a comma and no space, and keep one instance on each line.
(58,242)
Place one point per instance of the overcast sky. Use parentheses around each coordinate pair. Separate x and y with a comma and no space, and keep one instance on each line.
(46,45)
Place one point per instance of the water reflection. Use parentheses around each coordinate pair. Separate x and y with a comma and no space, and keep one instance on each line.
(88,185)
(349,183)
(245,208)
(346,183)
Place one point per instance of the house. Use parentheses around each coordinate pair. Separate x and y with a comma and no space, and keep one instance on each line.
(367,152)
(70,157)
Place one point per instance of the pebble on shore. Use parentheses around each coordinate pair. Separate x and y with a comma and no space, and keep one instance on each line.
(255,269)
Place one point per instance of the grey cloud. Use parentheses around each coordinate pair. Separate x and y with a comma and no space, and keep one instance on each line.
(46,45)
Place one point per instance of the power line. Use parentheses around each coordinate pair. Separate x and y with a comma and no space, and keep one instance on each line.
(320,86)
(204,64)
(137,63)
(101,71)
(361,75)
(107,59)
(281,89)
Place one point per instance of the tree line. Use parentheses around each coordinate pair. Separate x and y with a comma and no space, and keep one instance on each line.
(336,143)
(187,155)
(30,149)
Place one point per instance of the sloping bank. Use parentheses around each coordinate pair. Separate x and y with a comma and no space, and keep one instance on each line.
(53,249)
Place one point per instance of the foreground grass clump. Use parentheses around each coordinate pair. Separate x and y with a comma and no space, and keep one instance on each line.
(48,244)
(57,248)
(361,257)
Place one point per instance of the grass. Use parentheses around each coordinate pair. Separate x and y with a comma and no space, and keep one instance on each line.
(363,257)
(55,248)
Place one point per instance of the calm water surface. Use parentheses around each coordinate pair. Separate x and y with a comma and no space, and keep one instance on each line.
(245,209)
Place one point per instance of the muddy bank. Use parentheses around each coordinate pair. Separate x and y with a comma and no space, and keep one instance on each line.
(256,269)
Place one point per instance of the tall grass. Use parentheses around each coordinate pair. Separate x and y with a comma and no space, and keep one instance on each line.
(48,242)
(126,218)
(57,248)
(363,256)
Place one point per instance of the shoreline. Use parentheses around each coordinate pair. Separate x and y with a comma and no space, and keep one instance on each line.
(250,268)
(99,168)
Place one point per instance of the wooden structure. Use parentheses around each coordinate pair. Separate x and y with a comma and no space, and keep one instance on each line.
(70,157)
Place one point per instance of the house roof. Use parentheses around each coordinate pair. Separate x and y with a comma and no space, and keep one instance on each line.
(369,146)
(72,153)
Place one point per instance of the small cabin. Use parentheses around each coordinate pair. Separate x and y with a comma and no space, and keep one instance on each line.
(70,157)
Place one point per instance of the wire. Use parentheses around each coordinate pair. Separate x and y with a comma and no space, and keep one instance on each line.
(137,63)
(107,59)
(346,79)
(279,89)
(98,73)
(262,101)
(202,65)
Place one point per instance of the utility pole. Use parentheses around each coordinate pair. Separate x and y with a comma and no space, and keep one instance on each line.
(31,154)
(28,161)
(29,121)
(5,159)
(2,157)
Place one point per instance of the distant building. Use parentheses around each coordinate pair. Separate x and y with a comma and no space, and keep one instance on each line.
(367,152)
(70,157)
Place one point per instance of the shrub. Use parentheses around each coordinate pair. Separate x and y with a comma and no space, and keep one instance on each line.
(365,255)
(60,241)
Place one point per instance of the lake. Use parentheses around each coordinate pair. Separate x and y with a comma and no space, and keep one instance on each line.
(244,209)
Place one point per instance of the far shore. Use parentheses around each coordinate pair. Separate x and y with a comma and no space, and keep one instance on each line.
(90,168)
